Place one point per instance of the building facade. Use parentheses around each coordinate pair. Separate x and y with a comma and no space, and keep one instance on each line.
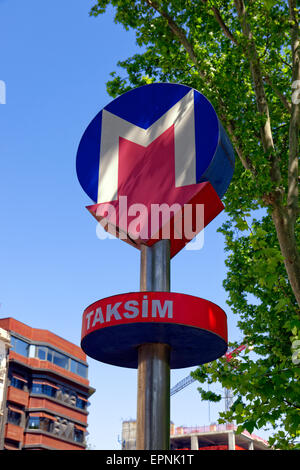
(212,437)
(45,391)
(4,350)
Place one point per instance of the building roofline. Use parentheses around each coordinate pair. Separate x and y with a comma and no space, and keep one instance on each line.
(37,334)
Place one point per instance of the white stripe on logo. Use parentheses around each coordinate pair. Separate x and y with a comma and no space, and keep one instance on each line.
(114,127)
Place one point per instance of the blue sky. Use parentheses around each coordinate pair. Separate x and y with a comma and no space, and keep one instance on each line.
(55,62)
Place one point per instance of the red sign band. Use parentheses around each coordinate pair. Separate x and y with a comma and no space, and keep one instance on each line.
(114,327)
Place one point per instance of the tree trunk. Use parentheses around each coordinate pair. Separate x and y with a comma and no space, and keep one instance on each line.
(285,229)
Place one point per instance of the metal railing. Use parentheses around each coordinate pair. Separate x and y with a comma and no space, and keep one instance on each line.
(182,430)
(202,429)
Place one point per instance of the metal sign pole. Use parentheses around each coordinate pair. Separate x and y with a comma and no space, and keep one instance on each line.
(153,400)
(183,164)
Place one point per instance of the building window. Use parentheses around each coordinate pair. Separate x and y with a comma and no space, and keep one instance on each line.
(78,368)
(82,370)
(60,360)
(78,435)
(46,424)
(40,422)
(36,388)
(33,422)
(44,388)
(48,390)
(9,444)
(67,396)
(80,403)
(41,353)
(74,366)
(13,417)
(17,383)
(19,346)
(61,427)
(45,353)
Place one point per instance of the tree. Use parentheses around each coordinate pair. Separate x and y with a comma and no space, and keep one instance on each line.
(265,379)
(244,56)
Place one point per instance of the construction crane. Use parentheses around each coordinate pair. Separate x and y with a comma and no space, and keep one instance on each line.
(182,384)
(228,393)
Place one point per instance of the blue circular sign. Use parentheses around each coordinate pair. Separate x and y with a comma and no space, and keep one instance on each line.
(202,150)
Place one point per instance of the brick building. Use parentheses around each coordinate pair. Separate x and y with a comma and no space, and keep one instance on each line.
(45,391)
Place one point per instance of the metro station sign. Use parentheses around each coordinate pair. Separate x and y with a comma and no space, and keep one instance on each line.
(150,159)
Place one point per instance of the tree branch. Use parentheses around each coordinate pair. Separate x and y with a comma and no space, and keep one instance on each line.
(261,100)
(180,34)
(221,22)
(293,188)
(278,93)
(230,127)
(230,36)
